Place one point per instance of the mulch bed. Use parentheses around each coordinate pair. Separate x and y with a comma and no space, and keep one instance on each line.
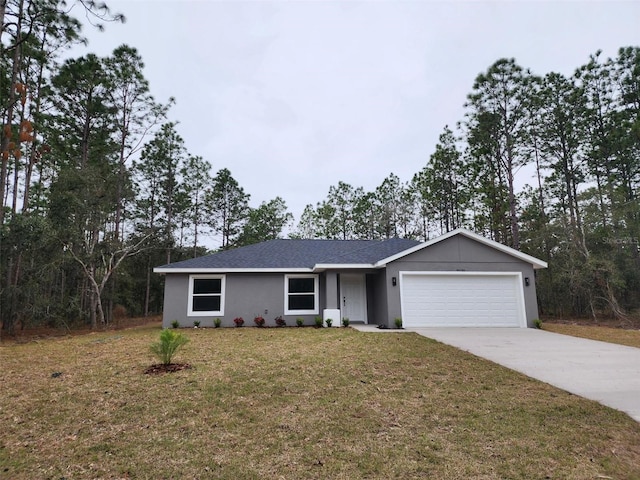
(160,368)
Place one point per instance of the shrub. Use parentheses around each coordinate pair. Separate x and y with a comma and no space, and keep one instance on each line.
(175,324)
(537,323)
(319,322)
(299,321)
(280,322)
(259,321)
(329,322)
(239,321)
(119,311)
(345,321)
(398,322)
(168,345)
(217,322)
(196,323)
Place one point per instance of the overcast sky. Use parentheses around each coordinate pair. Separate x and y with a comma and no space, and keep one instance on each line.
(294,96)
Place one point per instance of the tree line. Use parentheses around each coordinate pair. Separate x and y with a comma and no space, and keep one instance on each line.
(578,136)
(97,186)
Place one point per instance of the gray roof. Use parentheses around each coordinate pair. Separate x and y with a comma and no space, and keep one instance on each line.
(290,253)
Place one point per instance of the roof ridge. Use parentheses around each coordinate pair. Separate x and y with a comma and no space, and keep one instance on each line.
(329,239)
(357,250)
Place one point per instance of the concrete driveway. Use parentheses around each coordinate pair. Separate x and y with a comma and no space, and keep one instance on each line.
(604,372)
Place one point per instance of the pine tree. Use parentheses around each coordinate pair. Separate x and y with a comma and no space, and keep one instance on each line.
(228,208)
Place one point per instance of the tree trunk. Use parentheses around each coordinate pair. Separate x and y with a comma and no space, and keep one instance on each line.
(513,217)
(93,305)
(121,175)
(3,6)
(9,109)
(539,175)
(86,130)
(147,292)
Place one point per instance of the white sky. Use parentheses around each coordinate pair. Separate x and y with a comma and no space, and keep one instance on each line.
(294,96)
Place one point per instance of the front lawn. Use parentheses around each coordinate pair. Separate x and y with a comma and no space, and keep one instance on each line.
(620,336)
(294,403)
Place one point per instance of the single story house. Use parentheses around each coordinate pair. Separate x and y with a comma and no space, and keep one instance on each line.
(458,279)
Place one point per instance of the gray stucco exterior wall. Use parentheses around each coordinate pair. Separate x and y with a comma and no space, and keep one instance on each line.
(176,287)
(377,293)
(460,253)
(247,295)
(331,289)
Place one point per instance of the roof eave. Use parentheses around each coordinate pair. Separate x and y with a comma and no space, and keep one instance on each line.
(321,267)
(233,270)
(536,263)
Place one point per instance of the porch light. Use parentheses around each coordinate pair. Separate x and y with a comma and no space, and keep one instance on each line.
(526,281)
(394,281)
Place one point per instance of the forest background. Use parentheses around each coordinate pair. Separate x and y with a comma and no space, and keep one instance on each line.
(98,187)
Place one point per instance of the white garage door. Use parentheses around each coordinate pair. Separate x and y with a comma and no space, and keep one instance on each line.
(462,299)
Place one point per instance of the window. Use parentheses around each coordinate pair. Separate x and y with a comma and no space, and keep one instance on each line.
(206,295)
(301,294)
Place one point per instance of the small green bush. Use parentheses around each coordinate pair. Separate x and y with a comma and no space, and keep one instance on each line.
(299,321)
(345,321)
(319,322)
(329,322)
(217,322)
(398,322)
(175,324)
(537,323)
(196,323)
(168,345)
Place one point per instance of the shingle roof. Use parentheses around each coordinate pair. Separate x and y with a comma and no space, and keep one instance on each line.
(291,253)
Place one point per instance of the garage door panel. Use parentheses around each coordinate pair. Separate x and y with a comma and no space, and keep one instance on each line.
(455,299)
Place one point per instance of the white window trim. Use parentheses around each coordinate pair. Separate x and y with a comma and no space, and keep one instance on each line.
(190,312)
(316,295)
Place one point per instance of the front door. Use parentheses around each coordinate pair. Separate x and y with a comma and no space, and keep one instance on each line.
(353,297)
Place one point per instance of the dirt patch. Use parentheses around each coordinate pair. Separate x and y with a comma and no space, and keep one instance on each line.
(160,368)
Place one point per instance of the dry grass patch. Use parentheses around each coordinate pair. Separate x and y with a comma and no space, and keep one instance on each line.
(294,403)
(620,336)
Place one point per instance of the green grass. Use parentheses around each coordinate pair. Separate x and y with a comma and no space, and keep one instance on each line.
(294,403)
(621,336)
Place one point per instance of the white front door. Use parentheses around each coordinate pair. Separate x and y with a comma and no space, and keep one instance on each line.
(353,297)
